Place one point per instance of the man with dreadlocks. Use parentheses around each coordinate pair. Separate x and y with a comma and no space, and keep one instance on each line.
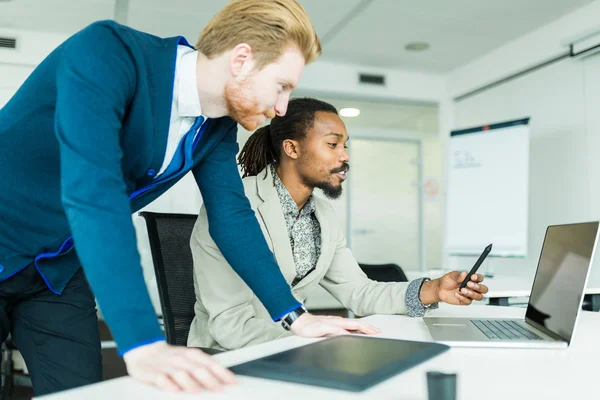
(282,164)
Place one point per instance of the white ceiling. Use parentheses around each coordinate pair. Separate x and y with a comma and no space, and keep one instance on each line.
(368,32)
(458,31)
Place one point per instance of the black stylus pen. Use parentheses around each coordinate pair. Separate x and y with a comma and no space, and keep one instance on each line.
(482,257)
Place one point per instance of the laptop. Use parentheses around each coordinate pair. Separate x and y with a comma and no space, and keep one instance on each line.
(554,304)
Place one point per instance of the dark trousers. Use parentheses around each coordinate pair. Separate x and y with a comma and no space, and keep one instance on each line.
(56,334)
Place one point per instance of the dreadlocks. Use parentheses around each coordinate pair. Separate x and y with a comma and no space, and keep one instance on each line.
(265,145)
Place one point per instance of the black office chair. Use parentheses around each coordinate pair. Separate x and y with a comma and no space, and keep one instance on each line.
(169,236)
(384,272)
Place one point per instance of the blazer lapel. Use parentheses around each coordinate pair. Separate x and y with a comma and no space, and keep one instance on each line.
(160,78)
(272,215)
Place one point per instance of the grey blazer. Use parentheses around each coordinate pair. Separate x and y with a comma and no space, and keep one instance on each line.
(230,316)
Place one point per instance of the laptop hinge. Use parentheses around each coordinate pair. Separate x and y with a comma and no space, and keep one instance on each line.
(545,330)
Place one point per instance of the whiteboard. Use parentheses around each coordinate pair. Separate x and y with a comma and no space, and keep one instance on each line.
(488,186)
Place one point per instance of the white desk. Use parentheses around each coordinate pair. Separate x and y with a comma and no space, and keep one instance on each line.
(482,373)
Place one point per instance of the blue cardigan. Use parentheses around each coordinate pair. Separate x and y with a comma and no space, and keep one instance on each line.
(86,130)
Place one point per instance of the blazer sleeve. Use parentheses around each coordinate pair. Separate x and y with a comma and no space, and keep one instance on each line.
(234,228)
(350,286)
(233,320)
(95,80)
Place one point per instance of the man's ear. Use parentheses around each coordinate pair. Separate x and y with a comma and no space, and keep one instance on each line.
(291,148)
(241,61)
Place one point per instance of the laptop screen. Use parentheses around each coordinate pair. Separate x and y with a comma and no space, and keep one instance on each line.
(561,275)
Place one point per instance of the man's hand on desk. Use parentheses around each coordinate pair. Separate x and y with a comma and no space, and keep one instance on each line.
(446,289)
(176,368)
(309,325)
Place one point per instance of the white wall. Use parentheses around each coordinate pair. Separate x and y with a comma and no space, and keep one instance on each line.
(11,78)
(563,101)
(559,177)
(342,79)
(32,47)
(591,95)
(17,64)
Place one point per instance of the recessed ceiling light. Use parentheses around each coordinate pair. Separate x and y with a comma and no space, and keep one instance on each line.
(417,46)
(349,112)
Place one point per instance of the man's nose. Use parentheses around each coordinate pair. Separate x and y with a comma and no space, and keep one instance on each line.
(281,105)
(345,157)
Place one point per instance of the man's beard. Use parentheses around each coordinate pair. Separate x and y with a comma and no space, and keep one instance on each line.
(330,191)
(242,104)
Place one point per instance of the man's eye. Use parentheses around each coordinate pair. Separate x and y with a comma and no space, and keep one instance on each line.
(332,145)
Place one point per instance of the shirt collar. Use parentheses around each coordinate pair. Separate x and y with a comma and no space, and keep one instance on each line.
(188,101)
(288,204)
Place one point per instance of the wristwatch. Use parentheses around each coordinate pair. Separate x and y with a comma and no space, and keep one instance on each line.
(289,318)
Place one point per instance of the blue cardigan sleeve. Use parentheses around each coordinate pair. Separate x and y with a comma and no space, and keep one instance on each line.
(234,228)
(95,80)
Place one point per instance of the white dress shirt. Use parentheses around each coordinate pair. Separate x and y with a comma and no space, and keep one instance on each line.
(185,107)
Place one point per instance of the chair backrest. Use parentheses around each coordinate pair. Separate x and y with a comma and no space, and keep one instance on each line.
(384,272)
(169,236)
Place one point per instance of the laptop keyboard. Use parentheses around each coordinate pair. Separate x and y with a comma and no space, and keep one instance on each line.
(504,330)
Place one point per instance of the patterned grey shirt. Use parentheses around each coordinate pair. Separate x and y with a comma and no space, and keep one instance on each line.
(304,233)
(303,229)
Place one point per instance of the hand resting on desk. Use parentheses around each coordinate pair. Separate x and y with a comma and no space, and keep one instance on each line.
(176,368)
(309,325)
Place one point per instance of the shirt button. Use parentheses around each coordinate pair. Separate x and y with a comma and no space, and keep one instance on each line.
(151,172)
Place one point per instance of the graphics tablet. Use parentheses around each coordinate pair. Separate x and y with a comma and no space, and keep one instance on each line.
(352,363)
